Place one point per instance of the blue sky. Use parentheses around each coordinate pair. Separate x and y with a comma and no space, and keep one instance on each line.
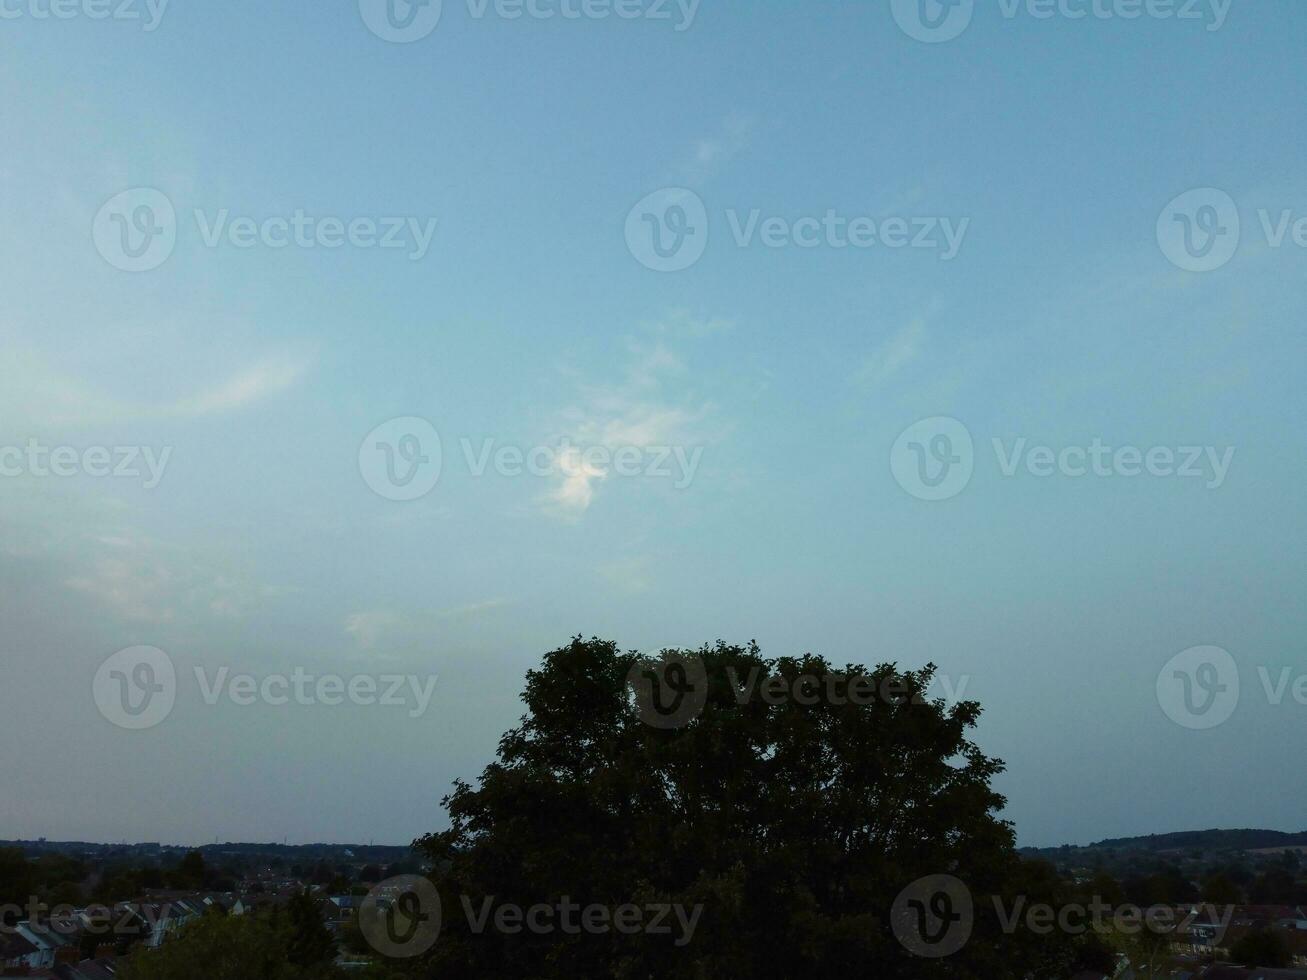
(792,371)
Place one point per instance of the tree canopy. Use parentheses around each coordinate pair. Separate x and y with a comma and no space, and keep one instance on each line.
(785,803)
(1262,948)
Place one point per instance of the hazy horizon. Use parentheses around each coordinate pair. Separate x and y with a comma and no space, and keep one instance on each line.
(778,322)
(375,843)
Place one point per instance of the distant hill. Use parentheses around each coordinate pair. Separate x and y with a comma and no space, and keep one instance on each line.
(362,853)
(1203,840)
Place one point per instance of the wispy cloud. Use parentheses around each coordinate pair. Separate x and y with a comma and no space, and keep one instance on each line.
(34,392)
(141,580)
(575,492)
(893,355)
(368,628)
(629,575)
(256,382)
(711,153)
(376,628)
(652,408)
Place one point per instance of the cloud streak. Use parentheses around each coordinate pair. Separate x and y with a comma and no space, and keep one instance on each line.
(34,392)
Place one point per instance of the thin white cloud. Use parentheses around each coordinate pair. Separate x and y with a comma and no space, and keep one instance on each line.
(893,355)
(250,385)
(376,628)
(471,609)
(711,154)
(368,628)
(573,496)
(34,392)
(141,580)
(652,408)
(629,575)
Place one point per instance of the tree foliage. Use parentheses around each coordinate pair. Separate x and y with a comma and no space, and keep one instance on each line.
(1262,948)
(794,825)
(309,943)
(268,946)
(221,947)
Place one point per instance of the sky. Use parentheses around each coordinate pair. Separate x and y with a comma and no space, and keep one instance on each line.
(753,288)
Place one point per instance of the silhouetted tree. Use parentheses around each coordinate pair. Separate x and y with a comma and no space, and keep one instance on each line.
(190,873)
(248,947)
(310,943)
(794,825)
(16,884)
(1263,948)
(1276,886)
(1220,890)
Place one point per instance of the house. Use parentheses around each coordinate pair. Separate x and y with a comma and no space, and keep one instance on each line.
(340,908)
(102,969)
(55,941)
(17,951)
(177,909)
